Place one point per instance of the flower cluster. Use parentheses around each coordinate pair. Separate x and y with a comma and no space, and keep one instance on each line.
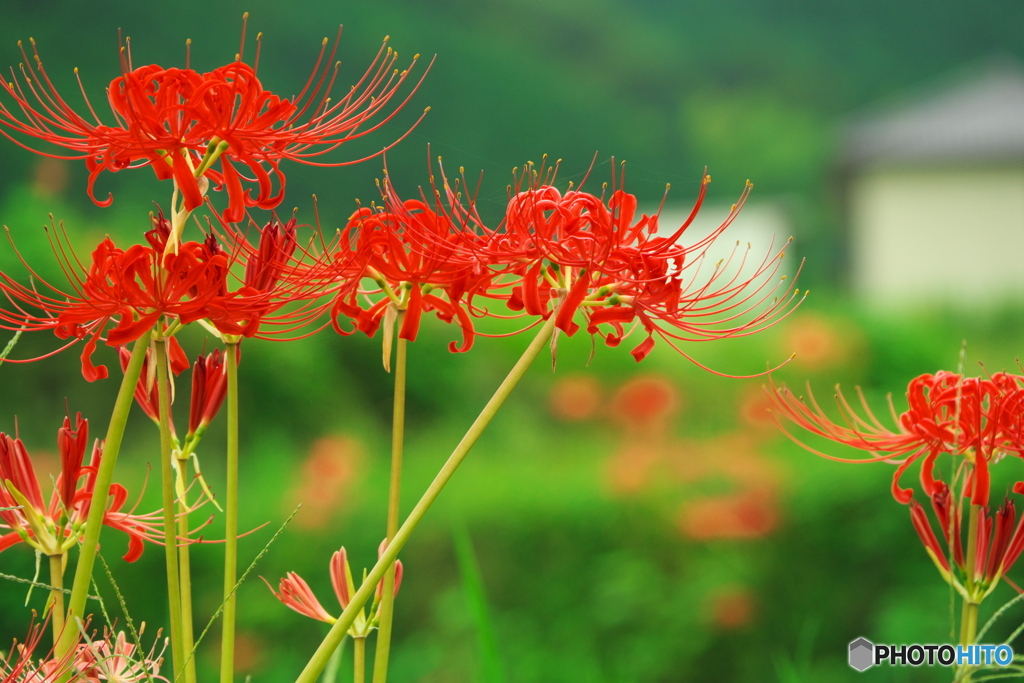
(557,253)
(977,418)
(108,659)
(977,421)
(563,259)
(294,592)
(53,528)
(181,122)
(554,253)
(125,293)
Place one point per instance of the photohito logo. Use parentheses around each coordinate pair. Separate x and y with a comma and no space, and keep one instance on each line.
(864,654)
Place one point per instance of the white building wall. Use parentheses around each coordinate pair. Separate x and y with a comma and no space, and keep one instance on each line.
(938,235)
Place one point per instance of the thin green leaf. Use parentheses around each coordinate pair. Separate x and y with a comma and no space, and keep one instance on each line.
(38,584)
(330,674)
(999,612)
(10,345)
(491,669)
(238,583)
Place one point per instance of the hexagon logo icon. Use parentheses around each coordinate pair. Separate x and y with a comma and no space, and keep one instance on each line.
(862,654)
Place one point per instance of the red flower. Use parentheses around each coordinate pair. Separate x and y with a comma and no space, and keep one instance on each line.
(947,413)
(147,393)
(18,663)
(113,658)
(134,288)
(574,252)
(997,545)
(55,527)
(285,286)
(295,593)
(182,122)
(421,259)
(209,387)
(146,285)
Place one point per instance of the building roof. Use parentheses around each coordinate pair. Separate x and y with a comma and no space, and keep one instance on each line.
(977,115)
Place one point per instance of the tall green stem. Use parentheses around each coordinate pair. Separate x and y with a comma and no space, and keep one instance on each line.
(969,616)
(98,503)
(185,575)
(359,659)
(334,637)
(387,601)
(972,550)
(969,623)
(968,634)
(57,594)
(227,651)
(175,609)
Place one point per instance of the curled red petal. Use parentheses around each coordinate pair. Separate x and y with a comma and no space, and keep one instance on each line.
(89,371)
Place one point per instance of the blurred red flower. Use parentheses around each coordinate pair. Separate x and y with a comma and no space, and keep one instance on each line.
(575,397)
(732,607)
(326,478)
(644,402)
(742,515)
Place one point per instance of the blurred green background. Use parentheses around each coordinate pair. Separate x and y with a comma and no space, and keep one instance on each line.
(619,522)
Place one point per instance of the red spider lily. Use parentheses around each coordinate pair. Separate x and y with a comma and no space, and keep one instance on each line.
(977,418)
(55,527)
(577,252)
(421,260)
(209,387)
(131,291)
(114,659)
(181,122)
(147,393)
(133,288)
(997,545)
(295,593)
(278,272)
(18,664)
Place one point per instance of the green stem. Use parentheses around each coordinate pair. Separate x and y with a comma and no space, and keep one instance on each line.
(387,602)
(359,659)
(169,498)
(968,631)
(972,551)
(57,595)
(227,651)
(98,503)
(969,623)
(185,575)
(969,615)
(334,637)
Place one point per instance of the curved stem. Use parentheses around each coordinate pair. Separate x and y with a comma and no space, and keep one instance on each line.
(387,602)
(57,594)
(167,487)
(334,637)
(98,503)
(227,651)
